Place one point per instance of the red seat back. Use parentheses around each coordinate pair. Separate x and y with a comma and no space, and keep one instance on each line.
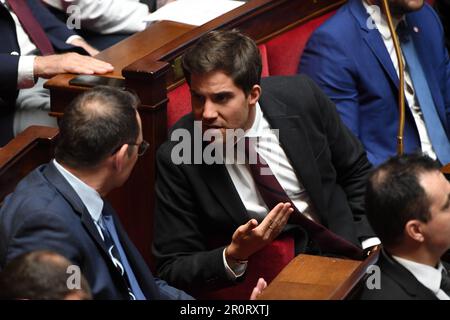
(267,263)
(284,51)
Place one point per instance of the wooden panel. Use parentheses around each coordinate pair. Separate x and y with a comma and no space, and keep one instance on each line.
(29,149)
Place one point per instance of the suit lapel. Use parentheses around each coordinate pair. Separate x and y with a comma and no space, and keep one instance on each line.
(59,182)
(221,185)
(404,278)
(292,131)
(373,40)
(376,44)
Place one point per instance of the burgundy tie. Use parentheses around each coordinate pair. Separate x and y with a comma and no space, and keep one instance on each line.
(31,26)
(272,194)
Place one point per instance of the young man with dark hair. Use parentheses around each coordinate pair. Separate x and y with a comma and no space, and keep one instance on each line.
(60,206)
(42,275)
(213,219)
(408,206)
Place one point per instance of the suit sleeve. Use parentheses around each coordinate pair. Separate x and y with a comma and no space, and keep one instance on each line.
(325,61)
(170,293)
(349,159)
(9,65)
(181,244)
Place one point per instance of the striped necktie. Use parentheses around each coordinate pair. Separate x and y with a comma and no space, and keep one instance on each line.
(273,193)
(31,26)
(114,253)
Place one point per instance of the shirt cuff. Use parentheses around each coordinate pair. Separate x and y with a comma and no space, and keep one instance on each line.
(370,242)
(25,72)
(71,38)
(236,270)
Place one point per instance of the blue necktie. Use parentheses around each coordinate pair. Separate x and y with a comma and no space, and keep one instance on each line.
(114,254)
(434,126)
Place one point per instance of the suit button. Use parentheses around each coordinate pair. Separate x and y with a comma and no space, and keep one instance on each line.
(14,53)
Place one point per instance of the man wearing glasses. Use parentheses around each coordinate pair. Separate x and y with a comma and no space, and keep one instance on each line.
(60,206)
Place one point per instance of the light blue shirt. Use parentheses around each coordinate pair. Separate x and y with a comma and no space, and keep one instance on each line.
(94,204)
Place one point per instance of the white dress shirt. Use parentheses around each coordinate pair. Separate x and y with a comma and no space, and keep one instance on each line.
(269,148)
(410,95)
(89,196)
(28,51)
(427,275)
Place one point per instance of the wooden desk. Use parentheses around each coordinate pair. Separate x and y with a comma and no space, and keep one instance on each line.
(309,277)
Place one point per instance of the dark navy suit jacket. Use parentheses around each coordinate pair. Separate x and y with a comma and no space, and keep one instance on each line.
(349,61)
(44,212)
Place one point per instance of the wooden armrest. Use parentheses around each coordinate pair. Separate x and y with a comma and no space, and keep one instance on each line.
(309,277)
(21,155)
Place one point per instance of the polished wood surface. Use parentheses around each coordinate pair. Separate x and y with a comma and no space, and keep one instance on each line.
(309,277)
(150,63)
(29,149)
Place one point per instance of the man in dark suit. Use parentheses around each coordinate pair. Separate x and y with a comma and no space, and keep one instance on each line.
(408,206)
(60,206)
(352,58)
(210,216)
(35,45)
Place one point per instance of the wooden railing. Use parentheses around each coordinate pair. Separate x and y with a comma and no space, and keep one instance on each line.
(309,277)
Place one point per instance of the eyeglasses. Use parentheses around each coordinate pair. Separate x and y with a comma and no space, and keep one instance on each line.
(142,147)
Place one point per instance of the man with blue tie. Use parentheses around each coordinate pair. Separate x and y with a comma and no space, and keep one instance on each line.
(352,58)
(60,206)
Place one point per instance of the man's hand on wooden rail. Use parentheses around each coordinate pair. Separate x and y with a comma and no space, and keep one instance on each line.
(49,66)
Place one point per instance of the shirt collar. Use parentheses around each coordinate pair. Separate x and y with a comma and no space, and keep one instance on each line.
(379,20)
(260,125)
(88,195)
(429,276)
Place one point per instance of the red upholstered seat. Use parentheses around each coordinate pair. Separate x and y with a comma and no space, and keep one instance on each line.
(284,51)
(179,104)
(266,263)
